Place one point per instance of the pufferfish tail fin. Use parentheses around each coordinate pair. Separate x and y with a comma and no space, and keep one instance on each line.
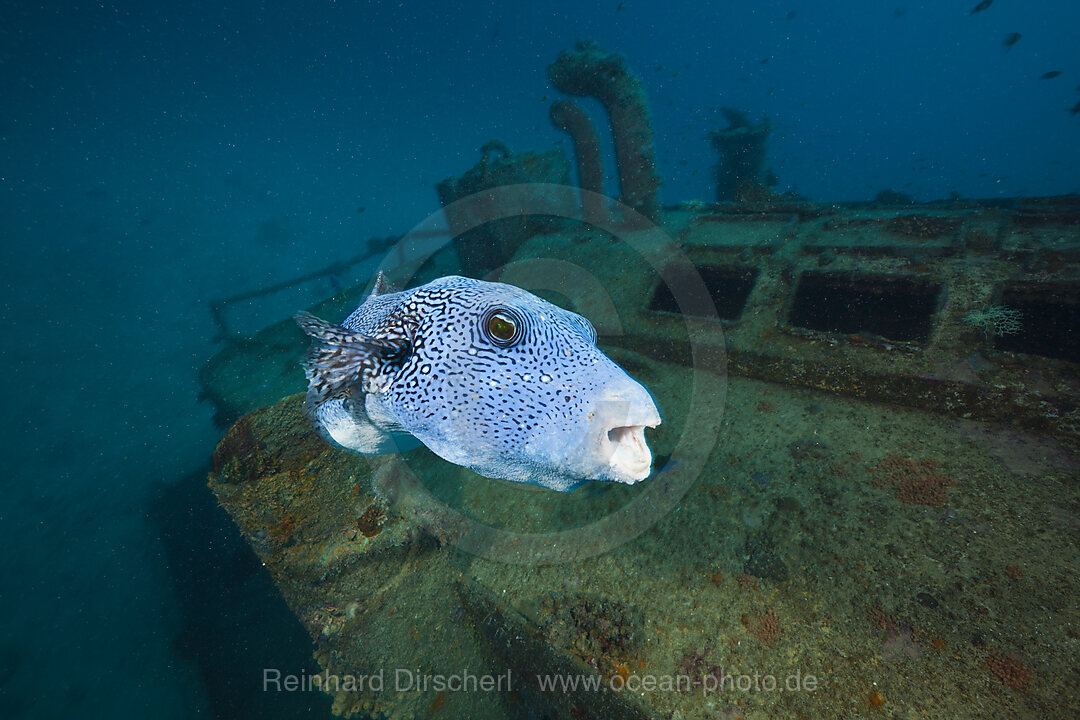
(340,359)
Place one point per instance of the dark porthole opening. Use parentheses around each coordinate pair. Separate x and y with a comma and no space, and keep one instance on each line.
(1049,318)
(728,287)
(896,308)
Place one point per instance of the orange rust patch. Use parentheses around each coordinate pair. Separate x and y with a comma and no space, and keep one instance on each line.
(372,521)
(765,625)
(1008,670)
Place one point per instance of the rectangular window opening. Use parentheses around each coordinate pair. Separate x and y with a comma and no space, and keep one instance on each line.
(728,287)
(895,308)
(1049,318)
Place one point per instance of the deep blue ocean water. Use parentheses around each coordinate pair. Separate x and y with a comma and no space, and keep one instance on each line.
(155,156)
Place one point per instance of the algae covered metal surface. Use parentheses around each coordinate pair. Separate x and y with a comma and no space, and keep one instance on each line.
(876,522)
(822,557)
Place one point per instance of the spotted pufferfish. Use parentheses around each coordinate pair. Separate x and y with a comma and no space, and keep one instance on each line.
(487,376)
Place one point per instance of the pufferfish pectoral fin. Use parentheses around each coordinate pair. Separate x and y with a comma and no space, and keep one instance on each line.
(340,359)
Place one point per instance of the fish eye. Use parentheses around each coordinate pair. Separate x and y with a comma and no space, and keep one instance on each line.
(502,327)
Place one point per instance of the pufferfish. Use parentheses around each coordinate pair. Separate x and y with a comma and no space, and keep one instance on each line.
(487,376)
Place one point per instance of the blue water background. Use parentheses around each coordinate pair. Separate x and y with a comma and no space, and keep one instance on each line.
(154,156)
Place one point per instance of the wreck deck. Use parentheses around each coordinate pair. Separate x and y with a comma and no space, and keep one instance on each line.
(883,498)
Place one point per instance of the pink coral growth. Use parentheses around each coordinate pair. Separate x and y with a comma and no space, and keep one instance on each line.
(917,482)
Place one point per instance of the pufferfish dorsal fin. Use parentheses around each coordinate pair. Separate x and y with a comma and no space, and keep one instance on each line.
(381,286)
(340,358)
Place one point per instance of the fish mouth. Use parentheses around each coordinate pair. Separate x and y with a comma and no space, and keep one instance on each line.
(630,457)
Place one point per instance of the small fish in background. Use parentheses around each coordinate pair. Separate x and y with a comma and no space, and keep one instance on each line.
(1050,75)
(336,285)
(1075,108)
(984,5)
(1011,39)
